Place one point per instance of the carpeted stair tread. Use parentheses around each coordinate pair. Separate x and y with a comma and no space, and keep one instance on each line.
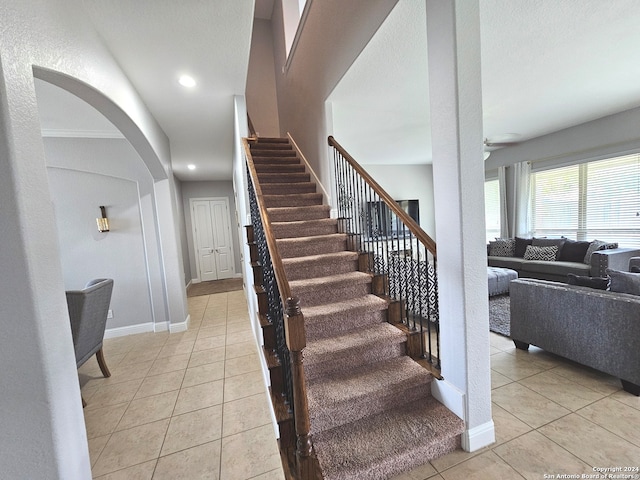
(292,214)
(389,443)
(287,188)
(259,140)
(294,200)
(278,168)
(260,152)
(298,268)
(305,228)
(337,318)
(294,177)
(314,245)
(331,349)
(320,290)
(270,146)
(275,161)
(347,396)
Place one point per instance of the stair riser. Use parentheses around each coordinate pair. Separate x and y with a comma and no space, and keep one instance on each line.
(283,168)
(292,231)
(272,153)
(341,413)
(291,249)
(271,146)
(352,358)
(340,323)
(292,200)
(326,294)
(319,269)
(264,178)
(287,188)
(276,161)
(298,214)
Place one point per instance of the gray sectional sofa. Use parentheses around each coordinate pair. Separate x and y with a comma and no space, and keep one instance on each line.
(558,268)
(597,328)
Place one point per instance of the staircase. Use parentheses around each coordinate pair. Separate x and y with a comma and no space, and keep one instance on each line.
(370,405)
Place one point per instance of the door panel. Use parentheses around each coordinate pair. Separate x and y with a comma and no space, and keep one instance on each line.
(222,239)
(204,240)
(212,238)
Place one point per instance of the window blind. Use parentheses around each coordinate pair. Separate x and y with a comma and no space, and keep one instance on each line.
(595,200)
(492,208)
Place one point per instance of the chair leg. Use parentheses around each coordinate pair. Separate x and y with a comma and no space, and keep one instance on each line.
(103,365)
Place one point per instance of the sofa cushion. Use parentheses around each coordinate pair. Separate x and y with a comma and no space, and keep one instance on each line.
(599,283)
(624,282)
(556,268)
(502,247)
(514,263)
(547,254)
(573,251)
(549,242)
(521,246)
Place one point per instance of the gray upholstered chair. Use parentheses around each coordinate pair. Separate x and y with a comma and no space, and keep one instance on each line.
(88,309)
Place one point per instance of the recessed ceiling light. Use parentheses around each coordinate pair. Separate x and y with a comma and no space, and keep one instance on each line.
(191,166)
(187,81)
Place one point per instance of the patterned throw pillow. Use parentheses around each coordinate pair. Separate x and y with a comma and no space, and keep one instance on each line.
(547,254)
(502,247)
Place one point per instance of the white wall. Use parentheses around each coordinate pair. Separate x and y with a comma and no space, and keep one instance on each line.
(409,182)
(261,82)
(43,433)
(83,174)
(333,36)
(204,190)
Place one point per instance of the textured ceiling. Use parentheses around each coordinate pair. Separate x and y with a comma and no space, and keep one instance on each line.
(546,65)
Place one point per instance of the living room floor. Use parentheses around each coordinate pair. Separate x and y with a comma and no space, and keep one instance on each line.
(193,406)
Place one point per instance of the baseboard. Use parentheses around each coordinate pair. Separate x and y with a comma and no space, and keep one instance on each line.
(238,275)
(449,396)
(189,284)
(333,213)
(130,330)
(194,280)
(478,437)
(180,327)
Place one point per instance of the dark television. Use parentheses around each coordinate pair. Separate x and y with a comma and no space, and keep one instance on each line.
(383,222)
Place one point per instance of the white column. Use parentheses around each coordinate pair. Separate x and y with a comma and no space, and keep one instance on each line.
(42,433)
(453,40)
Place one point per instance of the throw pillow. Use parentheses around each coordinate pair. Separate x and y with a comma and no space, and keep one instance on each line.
(521,246)
(548,242)
(593,247)
(547,254)
(573,251)
(610,246)
(502,247)
(624,282)
(599,283)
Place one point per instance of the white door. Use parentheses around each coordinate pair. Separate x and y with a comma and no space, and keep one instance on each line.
(212,238)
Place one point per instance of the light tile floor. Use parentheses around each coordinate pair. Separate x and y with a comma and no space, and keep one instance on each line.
(189,405)
(552,417)
(193,406)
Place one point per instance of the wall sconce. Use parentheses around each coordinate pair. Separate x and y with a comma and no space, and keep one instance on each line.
(103,222)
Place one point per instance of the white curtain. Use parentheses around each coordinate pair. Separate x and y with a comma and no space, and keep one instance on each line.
(514,200)
(504,217)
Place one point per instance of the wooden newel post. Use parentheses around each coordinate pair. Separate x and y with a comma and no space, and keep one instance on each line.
(297,341)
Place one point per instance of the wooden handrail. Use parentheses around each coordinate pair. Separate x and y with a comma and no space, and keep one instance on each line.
(276,259)
(413,226)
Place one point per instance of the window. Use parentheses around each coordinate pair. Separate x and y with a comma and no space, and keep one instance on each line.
(595,200)
(492,208)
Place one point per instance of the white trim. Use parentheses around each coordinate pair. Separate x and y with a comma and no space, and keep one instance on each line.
(333,213)
(296,38)
(130,330)
(180,327)
(449,396)
(478,437)
(65,133)
(189,284)
(193,281)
